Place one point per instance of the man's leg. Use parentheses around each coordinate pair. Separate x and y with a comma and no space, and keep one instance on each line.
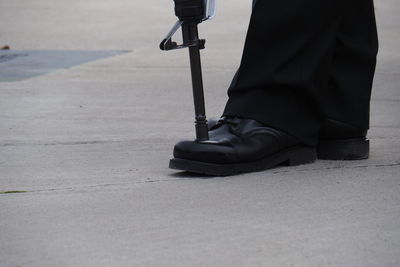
(286,61)
(346,99)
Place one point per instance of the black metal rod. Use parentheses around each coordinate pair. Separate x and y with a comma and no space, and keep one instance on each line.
(190,35)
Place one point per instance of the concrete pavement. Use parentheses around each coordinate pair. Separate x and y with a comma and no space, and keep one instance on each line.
(88,148)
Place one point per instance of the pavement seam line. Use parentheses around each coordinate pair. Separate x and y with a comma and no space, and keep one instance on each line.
(187,179)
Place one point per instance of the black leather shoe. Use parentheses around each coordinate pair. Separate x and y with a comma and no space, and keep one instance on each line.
(240,146)
(341,141)
(337,141)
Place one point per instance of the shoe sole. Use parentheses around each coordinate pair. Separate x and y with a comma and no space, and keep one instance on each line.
(346,149)
(289,157)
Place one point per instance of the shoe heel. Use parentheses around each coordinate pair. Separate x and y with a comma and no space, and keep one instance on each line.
(302,155)
(346,149)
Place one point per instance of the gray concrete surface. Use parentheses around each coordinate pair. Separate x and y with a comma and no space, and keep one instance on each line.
(90,146)
(17,65)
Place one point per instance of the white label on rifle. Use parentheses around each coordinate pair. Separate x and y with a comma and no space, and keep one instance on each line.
(210,9)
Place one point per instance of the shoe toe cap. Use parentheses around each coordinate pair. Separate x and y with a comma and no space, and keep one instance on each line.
(202,151)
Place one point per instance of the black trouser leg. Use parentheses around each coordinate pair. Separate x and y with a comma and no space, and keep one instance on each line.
(346,99)
(287,63)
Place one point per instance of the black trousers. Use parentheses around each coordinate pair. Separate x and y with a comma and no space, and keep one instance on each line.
(305,62)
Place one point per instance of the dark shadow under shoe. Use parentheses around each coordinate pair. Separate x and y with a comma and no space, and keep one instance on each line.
(240,146)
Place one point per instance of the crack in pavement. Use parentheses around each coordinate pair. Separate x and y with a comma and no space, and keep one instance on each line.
(59,143)
(93,186)
(73,143)
(343,167)
(183,176)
